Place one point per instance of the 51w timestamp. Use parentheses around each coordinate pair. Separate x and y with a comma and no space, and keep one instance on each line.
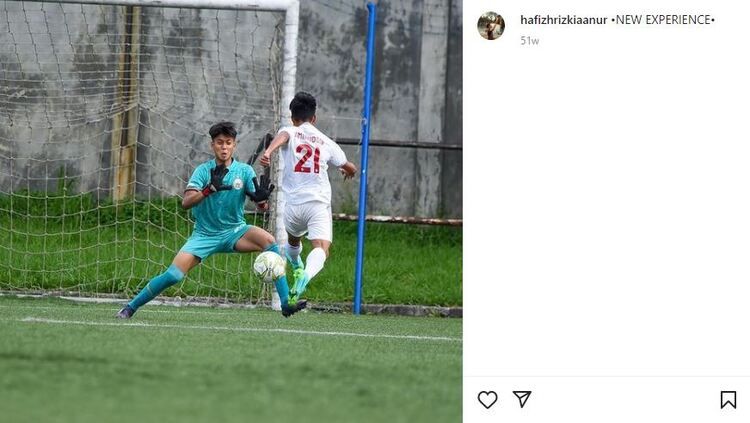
(528,40)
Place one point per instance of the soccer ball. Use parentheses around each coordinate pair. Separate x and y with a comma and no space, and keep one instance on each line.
(269,266)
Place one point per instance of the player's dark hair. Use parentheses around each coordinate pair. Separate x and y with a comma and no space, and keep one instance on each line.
(303,106)
(223,128)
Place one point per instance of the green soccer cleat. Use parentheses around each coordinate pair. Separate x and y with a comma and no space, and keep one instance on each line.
(300,283)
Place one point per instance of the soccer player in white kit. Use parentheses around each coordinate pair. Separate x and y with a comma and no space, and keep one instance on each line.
(306,153)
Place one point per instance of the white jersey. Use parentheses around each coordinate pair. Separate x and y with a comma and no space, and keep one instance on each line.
(306,157)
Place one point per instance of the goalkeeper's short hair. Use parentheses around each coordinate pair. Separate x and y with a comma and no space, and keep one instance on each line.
(223,128)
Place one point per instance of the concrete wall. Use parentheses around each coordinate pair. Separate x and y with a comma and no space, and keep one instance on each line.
(416,97)
(59,91)
(197,67)
(50,128)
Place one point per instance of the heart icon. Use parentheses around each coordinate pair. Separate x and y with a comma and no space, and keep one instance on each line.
(487,398)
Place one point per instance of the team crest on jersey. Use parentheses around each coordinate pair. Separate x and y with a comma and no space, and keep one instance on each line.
(237,184)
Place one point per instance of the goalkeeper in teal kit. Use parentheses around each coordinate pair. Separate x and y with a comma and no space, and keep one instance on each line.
(216,194)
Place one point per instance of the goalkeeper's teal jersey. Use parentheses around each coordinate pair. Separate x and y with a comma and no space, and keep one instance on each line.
(221,211)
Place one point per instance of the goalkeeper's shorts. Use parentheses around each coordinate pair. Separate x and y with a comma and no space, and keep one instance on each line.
(313,218)
(202,246)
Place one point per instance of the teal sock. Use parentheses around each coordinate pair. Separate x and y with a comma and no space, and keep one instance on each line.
(282,286)
(273,247)
(156,285)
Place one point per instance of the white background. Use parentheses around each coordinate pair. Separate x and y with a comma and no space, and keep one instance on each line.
(607,214)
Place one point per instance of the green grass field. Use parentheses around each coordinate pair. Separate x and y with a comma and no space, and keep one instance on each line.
(69,243)
(68,362)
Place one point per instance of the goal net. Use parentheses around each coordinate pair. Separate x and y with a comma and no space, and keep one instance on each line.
(104,114)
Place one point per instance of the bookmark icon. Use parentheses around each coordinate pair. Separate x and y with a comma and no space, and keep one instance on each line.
(729,398)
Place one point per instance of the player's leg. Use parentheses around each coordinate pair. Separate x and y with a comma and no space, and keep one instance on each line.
(181,265)
(294,251)
(317,257)
(320,227)
(296,226)
(257,239)
(295,222)
(313,265)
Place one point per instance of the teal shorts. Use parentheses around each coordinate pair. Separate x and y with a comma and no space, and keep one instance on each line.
(202,246)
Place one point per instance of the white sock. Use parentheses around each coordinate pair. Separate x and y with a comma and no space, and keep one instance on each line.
(315,261)
(293,251)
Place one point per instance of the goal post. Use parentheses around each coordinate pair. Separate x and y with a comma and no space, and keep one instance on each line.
(104,112)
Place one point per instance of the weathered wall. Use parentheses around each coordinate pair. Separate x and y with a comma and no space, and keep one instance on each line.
(452,176)
(62,78)
(198,67)
(48,129)
(416,97)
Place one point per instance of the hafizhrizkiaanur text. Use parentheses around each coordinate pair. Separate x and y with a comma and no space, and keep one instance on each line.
(628,19)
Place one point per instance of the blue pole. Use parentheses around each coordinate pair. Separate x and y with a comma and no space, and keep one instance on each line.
(365,146)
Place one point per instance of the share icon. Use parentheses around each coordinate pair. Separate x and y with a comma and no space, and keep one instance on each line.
(522,396)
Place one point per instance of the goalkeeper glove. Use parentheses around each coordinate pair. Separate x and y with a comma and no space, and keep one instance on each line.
(262,190)
(217,181)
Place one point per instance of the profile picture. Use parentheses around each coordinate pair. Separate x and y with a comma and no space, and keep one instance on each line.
(491,25)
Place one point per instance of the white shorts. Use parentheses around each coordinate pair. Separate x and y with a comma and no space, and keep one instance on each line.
(313,218)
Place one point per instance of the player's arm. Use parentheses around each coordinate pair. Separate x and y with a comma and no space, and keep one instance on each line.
(280,139)
(258,192)
(191,198)
(338,159)
(349,170)
(261,191)
(193,195)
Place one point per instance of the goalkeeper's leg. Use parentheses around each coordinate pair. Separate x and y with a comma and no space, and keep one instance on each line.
(180,266)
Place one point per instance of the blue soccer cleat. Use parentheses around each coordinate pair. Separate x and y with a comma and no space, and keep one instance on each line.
(126,313)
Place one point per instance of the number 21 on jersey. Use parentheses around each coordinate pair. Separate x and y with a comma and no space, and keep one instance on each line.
(308,151)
